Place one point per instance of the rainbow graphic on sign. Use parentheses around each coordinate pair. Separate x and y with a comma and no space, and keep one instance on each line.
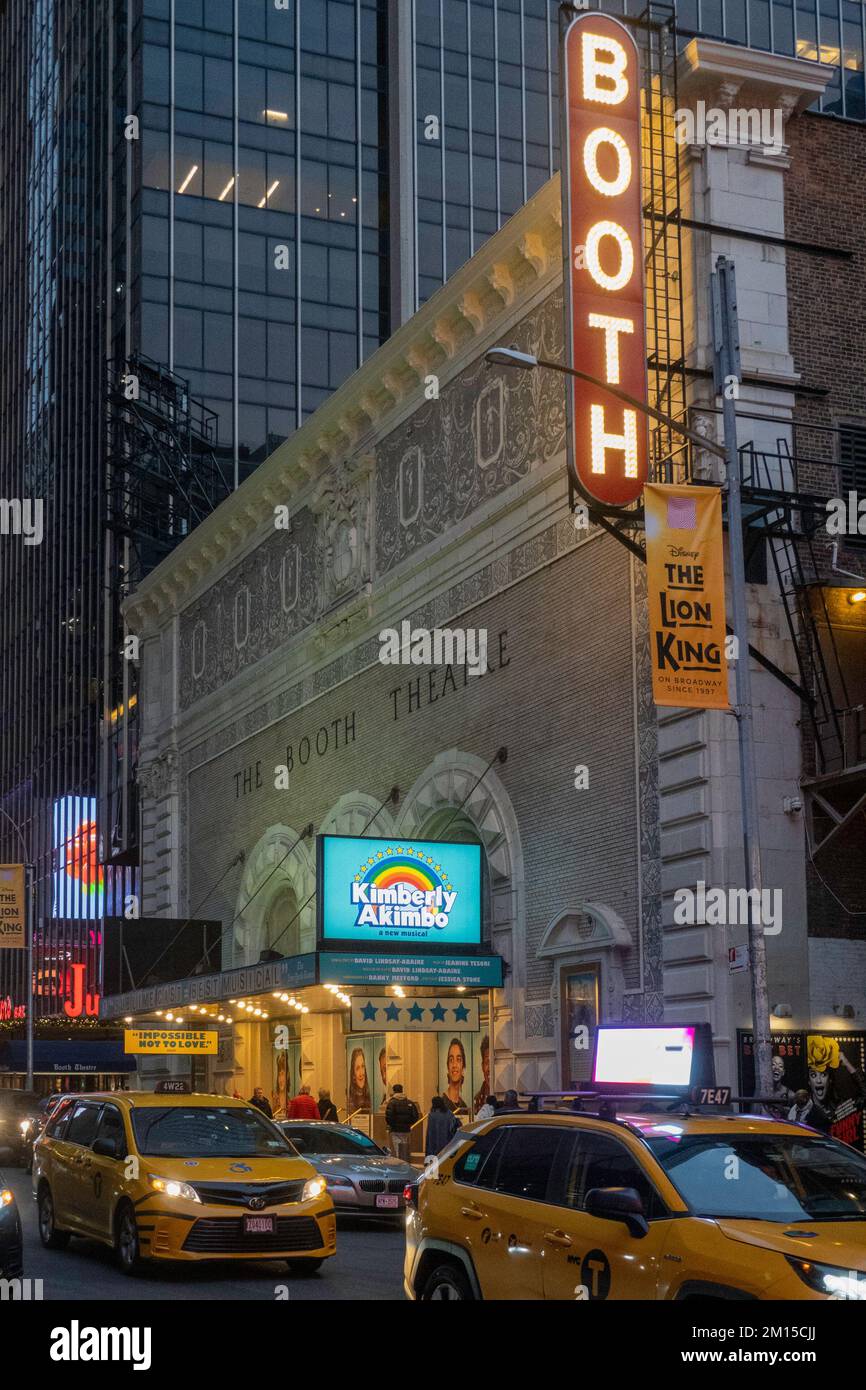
(398,889)
(408,866)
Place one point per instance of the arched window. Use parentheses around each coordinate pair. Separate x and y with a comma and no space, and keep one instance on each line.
(449,824)
(283,924)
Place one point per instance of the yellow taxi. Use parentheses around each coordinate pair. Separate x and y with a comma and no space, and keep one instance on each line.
(171,1177)
(558,1205)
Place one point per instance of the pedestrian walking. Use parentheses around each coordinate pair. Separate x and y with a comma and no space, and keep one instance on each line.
(400,1115)
(327,1108)
(488,1109)
(303,1107)
(442,1125)
(261,1102)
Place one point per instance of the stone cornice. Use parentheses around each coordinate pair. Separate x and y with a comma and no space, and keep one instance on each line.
(729,74)
(441,338)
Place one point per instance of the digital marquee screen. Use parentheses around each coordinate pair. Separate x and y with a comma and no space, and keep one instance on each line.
(644,1056)
(399,891)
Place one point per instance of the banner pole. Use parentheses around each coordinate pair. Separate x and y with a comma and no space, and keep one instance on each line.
(29,993)
(727,372)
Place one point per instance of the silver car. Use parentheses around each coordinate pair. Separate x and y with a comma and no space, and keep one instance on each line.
(362,1179)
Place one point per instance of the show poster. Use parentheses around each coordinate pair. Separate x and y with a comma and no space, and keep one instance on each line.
(455,1071)
(464,1070)
(402,891)
(481,1070)
(830,1066)
(287,1077)
(686,596)
(380,1075)
(362,1070)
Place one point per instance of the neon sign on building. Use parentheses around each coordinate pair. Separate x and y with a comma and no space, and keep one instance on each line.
(604,289)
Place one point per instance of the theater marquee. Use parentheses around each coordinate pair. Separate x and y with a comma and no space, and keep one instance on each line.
(398,891)
(603,239)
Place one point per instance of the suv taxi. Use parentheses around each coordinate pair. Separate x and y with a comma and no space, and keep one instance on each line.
(188,1178)
(556,1205)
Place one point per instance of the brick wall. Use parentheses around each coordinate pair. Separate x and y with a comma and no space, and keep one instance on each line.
(825,198)
(838,971)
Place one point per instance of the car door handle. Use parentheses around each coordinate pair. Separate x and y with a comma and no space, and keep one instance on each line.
(557,1238)
(474,1213)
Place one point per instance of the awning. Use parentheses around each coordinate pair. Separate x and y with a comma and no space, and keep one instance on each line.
(435,971)
(67,1058)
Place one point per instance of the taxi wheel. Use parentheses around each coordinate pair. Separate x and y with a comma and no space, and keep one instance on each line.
(447,1282)
(126,1247)
(304,1266)
(51,1238)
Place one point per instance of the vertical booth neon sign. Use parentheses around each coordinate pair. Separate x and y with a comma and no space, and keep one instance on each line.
(603,233)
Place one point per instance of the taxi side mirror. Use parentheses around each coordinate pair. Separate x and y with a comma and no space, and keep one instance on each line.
(108,1148)
(618,1204)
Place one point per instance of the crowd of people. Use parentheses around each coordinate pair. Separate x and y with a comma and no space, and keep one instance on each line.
(401,1115)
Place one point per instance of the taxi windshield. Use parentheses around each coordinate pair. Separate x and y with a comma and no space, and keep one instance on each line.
(207,1131)
(764,1177)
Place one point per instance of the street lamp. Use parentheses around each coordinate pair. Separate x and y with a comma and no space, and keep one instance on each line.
(726,369)
(511,357)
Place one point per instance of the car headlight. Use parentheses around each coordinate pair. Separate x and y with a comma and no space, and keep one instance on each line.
(170,1187)
(334,1180)
(25,1126)
(6,1197)
(313,1187)
(830,1280)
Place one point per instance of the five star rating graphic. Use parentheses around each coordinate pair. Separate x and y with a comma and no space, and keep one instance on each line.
(376,1013)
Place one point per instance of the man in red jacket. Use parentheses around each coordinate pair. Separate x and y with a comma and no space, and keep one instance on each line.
(303,1107)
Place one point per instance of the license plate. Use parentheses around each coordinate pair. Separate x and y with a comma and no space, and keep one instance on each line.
(258,1225)
(388,1201)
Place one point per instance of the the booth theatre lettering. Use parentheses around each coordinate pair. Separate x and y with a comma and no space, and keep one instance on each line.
(329,738)
(404,699)
(425,690)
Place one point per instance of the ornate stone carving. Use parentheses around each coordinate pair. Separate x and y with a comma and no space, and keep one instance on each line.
(342,506)
(158,778)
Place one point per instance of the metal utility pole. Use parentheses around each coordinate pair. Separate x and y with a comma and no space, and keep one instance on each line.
(30,993)
(29,917)
(726,372)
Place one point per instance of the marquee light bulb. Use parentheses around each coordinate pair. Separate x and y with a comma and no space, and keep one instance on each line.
(611,188)
(626,255)
(601,442)
(604,58)
(612,328)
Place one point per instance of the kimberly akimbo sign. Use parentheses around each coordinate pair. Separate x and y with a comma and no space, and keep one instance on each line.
(686,594)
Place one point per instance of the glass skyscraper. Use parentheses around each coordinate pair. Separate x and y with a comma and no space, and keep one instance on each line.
(236,202)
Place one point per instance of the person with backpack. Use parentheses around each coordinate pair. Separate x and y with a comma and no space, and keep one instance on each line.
(400,1115)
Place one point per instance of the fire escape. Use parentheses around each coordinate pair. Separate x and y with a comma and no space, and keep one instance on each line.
(164,476)
(834,746)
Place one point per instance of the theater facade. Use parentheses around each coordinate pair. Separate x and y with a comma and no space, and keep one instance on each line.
(396,640)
